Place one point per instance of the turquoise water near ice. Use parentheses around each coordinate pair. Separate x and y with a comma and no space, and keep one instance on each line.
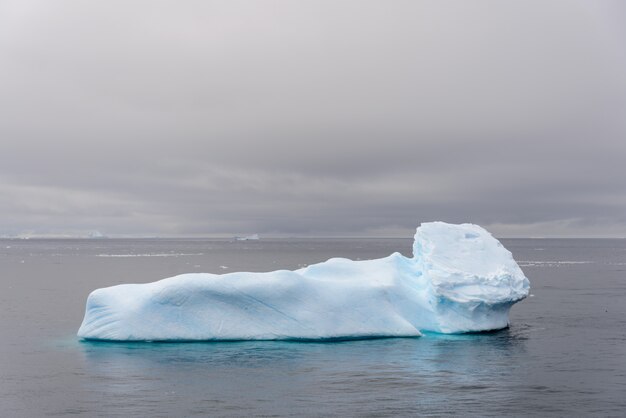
(563,355)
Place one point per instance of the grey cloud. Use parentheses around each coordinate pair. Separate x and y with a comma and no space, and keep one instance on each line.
(314,118)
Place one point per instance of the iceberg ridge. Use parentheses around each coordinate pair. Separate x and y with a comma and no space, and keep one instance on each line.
(460,279)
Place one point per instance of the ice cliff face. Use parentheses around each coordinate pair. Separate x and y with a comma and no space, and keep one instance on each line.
(460,279)
(472,279)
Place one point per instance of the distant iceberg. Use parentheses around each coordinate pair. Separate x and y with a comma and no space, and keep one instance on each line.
(253,237)
(460,279)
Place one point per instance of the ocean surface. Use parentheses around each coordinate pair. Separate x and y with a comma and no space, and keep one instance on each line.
(563,355)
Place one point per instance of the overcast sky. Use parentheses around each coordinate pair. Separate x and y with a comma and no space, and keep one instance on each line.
(312,117)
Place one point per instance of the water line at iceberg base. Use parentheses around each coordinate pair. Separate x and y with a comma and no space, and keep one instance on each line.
(460,279)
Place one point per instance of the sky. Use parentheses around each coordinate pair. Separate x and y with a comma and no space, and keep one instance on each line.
(312,118)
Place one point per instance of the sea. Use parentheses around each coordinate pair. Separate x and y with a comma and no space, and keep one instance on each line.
(563,355)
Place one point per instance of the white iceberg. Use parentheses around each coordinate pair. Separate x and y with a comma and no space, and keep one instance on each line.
(460,279)
(253,237)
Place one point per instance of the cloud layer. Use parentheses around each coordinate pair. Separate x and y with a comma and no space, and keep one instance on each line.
(312,117)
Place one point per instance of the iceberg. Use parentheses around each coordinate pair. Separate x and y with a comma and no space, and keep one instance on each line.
(253,237)
(460,279)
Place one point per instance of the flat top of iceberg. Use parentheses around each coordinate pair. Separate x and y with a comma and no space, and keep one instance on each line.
(460,279)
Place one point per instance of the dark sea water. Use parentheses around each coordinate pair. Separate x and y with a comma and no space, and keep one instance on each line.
(563,355)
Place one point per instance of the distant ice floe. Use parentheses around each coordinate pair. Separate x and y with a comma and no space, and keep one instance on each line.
(460,279)
(532,263)
(149,255)
(253,237)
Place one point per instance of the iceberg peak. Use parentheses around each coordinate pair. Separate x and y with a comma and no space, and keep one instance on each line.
(460,279)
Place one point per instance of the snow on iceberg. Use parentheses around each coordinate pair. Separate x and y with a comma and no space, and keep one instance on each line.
(460,279)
